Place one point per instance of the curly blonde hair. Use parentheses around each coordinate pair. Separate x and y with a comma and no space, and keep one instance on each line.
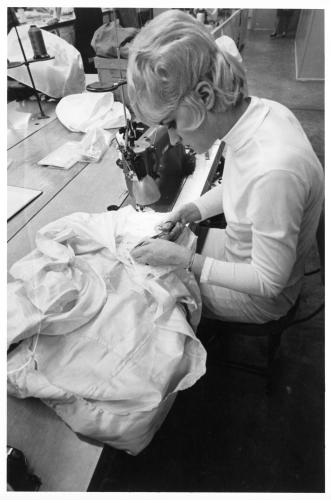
(168,58)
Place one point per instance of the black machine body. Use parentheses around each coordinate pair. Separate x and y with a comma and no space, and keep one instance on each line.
(148,152)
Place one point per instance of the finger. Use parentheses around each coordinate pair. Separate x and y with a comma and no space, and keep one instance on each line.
(141,259)
(140,244)
(176,231)
(166,226)
(140,250)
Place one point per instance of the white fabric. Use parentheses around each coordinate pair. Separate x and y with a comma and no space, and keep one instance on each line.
(89,110)
(272,193)
(56,77)
(106,342)
(226,43)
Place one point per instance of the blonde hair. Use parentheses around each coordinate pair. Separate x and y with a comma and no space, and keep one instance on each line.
(168,58)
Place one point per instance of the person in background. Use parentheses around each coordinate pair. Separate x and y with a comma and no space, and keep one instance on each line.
(282,23)
(272,189)
(11,19)
(88,20)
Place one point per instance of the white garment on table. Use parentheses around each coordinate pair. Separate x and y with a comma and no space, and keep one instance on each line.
(105,341)
(271,194)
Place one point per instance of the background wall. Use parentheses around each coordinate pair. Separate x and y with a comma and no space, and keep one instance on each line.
(263,19)
(309,45)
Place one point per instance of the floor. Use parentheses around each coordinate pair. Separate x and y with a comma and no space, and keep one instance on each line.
(226,434)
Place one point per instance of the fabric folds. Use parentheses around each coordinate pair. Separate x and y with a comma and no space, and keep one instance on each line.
(104,341)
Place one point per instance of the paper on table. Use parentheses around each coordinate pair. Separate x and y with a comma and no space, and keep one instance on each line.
(18,198)
(63,157)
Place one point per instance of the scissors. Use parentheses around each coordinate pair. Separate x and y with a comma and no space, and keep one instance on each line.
(162,234)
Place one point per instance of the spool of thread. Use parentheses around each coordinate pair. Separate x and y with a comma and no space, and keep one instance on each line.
(37,42)
(201,16)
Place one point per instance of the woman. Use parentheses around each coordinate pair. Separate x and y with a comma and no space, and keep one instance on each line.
(272,188)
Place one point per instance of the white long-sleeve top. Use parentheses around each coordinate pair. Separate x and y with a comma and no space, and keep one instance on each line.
(271,195)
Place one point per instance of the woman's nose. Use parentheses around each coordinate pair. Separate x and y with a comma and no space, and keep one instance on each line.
(174,137)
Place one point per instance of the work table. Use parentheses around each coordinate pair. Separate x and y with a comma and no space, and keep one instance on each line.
(62,460)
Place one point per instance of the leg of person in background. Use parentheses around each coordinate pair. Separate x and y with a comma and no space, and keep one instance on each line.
(11,19)
(276,30)
(284,21)
(86,23)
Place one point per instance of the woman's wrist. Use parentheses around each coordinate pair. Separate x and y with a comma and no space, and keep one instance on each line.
(197,264)
(190,260)
(191,213)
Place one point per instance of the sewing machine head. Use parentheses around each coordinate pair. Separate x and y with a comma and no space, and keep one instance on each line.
(154,170)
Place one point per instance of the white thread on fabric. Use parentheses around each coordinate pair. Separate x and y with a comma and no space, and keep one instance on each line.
(28,361)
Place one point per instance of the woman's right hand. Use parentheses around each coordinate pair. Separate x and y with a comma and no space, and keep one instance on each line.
(177,220)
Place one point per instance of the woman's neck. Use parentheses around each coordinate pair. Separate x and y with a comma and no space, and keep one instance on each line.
(226,120)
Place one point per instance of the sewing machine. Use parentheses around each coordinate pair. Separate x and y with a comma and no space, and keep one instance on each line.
(154,170)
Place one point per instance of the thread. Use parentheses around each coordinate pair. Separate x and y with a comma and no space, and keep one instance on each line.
(31,358)
(37,42)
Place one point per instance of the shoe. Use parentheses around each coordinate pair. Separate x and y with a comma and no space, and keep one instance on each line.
(283,35)
(273,35)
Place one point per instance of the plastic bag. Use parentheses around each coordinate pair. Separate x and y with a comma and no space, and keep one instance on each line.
(106,38)
(57,77)
(94,144)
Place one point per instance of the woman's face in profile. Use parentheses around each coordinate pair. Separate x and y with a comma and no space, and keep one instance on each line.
(199,138)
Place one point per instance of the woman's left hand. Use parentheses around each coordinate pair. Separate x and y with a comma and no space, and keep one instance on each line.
(158,252)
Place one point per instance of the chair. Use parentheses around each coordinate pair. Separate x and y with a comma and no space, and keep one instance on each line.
(211,331)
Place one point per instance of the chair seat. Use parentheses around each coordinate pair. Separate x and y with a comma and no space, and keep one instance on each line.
(250,329)
(211,331)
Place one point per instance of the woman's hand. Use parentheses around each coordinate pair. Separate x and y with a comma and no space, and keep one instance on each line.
(177,220)
(159,252)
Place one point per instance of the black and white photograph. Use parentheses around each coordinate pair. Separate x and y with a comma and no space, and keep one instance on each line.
(165,263)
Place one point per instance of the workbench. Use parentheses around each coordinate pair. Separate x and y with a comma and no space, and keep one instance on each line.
(62,460)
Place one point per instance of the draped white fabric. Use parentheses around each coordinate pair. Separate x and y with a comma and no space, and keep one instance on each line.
(105,342)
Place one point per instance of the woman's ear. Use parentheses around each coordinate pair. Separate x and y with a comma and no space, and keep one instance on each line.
(206,93)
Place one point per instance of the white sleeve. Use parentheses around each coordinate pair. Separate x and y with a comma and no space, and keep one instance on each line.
(276,214)
(210,203)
